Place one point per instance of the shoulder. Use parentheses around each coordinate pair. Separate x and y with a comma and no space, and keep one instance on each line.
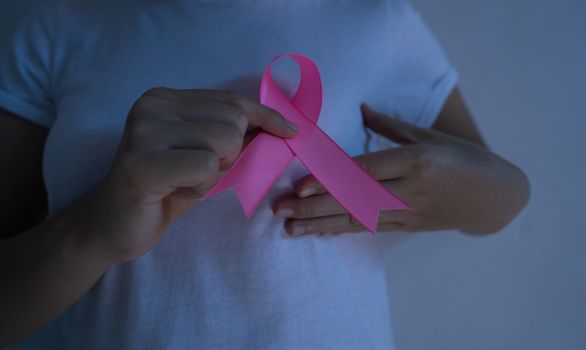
(60,17)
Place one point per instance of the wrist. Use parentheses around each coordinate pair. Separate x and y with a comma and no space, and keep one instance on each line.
(83,231)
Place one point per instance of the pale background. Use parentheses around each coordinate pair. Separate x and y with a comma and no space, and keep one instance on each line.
(523,72)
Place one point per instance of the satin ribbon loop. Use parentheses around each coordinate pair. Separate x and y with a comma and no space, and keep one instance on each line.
(267,156)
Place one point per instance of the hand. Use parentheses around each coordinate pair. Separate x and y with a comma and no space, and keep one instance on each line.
(450,183)
(174,147)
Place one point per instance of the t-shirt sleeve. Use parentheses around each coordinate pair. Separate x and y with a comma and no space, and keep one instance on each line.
(25,71)
(434,68)
(424,75)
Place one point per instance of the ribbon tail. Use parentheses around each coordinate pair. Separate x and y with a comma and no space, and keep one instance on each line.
(255,170)
(355,189)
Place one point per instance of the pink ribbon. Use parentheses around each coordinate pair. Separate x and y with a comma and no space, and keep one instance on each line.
(265,158)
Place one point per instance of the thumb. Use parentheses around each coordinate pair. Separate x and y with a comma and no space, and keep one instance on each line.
(393,128)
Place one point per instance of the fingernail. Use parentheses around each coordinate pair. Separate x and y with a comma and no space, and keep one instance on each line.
(297,230)
(291,126)
(306,192)
(285,212)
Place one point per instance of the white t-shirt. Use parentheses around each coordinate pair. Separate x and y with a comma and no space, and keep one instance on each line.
(217,280)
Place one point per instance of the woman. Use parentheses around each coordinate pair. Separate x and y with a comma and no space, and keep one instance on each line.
(126,113)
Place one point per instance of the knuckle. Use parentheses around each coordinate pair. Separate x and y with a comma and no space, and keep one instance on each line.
(230,141)
(142,107)
(155,91)
(209,164)
(138,130)
(238,117)
(206,170)
(423,162)
(136,109)
(233,97)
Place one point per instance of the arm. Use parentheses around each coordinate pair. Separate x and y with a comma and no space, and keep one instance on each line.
(455,119)
(23,199)
(446,173)
(47,268)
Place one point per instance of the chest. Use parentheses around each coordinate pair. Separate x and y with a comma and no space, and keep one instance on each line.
(182,49)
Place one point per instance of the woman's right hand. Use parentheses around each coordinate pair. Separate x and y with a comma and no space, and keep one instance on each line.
(175,145)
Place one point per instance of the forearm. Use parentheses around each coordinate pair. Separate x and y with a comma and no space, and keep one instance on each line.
(504,192)
(45,270)
(502,189)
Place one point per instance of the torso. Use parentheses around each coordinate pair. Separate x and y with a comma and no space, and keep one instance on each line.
(218,280)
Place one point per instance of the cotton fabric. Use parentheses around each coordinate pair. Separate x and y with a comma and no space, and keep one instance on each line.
(218,280)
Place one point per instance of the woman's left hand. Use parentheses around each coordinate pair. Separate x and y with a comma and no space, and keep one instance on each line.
(451,183)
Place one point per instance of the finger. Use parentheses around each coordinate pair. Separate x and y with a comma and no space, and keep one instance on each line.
(163,172)
(309,186)
(395,129)
(316,206)
(267,118)
(382,165)
(225,140)
(162,109)
(222,96)
(391,226)
(389,163)
(333,225)
(256,114)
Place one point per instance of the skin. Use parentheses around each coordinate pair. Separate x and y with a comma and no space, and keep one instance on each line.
(446,174)
(175,146)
